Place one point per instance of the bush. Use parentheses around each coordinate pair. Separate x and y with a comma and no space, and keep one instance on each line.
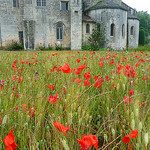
(58,47)
(142,37)
(42,47)
(16,46)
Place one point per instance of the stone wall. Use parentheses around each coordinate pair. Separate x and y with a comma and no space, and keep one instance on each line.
(117,17)
(133,38)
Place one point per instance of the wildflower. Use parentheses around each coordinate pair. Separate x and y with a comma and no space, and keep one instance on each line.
(88,141)
(61,127)
(78,60)
(32,109)
(52,99)
(87,83)
(2,85)
(87,76)
(127,99)
(9,141)
(78,80)
(65,68)
(101,64)
(51,87)
(131,92)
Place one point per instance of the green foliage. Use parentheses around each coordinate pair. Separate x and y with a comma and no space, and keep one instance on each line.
(58,47)
(98,39)
(140,48)
(15,46)
(145,24)
(42,47)
(142,37)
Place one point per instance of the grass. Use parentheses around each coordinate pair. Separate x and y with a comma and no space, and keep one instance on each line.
(85,109)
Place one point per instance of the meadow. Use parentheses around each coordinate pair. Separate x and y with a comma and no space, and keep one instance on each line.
(72,100)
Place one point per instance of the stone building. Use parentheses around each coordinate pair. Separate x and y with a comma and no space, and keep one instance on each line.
(68,22)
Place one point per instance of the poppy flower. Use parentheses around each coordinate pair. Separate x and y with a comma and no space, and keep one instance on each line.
(65,68)
(32,109)
(101,64)
(131,92)
(51,87)
(78,80)
(78,60)
(88,141)
(81,67)
(134,134)
(24,106)
(61,127)
(127,99)
(2,85)
(22,61)
(52,99)
(1,120)
(87,83)
(9,141)
(87,76)
(126,139)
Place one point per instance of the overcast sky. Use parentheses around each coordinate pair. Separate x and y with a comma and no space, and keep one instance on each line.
(139,5)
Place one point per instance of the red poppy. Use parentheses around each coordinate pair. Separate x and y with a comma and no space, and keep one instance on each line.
(1,120)
(127,99)
(78,72)
(2,85)
(131,92)
(20,79)
(126,139)
(51,87)
(9,141)
(87,76)
(22,61)
(134,134)
(78,60)
(65,68)
(98,82)
(78,80)
(32,109)
(107,78)
(101,64)
(88,141)
(52,99)
(81,67)
(61,127)
(87,83)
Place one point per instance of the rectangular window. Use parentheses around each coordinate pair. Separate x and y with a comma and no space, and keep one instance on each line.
(59,33)
(64,5)
(21,37)
(41,2)
(15,3)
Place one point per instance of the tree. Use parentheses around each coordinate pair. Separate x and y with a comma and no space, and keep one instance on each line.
(145,24)
(98,36)
(142,37)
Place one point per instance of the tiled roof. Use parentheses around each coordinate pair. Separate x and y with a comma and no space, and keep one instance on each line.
(132,16)
(87,18)
(105,4)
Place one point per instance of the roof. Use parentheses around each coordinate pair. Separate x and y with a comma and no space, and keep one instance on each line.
(132,16)
(87,18)
(100,4)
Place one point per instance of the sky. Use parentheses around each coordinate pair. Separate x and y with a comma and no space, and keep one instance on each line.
(139,5)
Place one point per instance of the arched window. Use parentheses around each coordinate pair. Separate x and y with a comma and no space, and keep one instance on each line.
(132,31)
(112,32)
(123,32)
(15,3)
(87,28)
(59,32)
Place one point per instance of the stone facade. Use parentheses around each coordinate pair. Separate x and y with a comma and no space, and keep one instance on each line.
(67,22)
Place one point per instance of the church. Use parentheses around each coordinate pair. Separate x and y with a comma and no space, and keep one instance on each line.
(67,22)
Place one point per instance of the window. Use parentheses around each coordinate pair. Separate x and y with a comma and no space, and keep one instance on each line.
(123,30)
(87,28)
(41,2)
(132,31)
(64,5)
(59,32)
(15,3)
(112,33)
(21,37)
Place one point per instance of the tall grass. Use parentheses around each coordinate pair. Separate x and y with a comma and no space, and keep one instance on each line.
(85,109)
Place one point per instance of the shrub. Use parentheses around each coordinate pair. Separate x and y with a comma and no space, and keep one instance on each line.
(58,47)
(142,37)
(15,45)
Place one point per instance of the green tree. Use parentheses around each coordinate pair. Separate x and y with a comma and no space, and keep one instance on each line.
(98,36)
(144,18)
(142,37)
